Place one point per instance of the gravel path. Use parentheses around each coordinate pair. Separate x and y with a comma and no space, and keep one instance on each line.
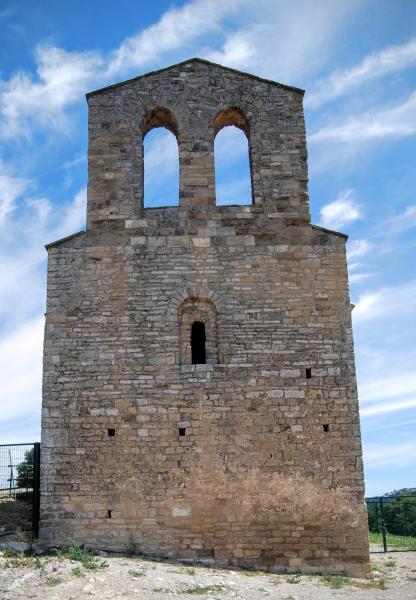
(121,577)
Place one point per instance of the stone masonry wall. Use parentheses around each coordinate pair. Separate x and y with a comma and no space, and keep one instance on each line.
(255,457)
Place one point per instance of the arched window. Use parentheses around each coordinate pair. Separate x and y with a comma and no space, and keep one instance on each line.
(198,337)
(160,159)
(232,158)
(198,343)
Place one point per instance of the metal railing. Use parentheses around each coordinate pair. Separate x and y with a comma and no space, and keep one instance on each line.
(19,488)
(392,521)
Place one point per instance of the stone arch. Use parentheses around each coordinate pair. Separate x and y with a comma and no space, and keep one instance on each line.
(192,291)
(232,116)
(201,311)
(159,116)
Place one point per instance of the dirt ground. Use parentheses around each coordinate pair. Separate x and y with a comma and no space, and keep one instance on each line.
(123,577)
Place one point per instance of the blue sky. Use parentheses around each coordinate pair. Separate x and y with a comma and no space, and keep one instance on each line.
(357,62)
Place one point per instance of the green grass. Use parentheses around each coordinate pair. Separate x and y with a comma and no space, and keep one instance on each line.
(203,589)
(393,541)
(131,547)
(76,571)
(293,579)
(86,557)
(52,580)
(390,563)
(137,573)
(251,572)
(371,585)
(21,560)
(335,582)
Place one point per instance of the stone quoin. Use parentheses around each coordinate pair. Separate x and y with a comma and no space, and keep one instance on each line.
(199,394)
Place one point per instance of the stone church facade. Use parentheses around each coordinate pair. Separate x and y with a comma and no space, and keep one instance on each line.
(199,392)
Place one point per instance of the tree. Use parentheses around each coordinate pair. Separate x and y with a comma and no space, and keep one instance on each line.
(25,470)
(400,514)
(399,510)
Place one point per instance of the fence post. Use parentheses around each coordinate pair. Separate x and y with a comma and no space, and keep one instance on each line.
(405,516)
(383,525)
(36,489)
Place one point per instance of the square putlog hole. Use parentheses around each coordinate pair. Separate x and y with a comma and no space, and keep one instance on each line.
(111,432)
(182,431)
(325,427)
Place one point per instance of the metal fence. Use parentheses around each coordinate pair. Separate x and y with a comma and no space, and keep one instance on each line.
(19,488)
(392,522)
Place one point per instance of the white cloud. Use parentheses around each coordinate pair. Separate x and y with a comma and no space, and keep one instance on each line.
(22,301)
(387,407)
(265,39)
(10,190)
(394,386)
(377,64)
(389,455)
(397,301)
(175,29)
(28,101)
(61,78)
(239,50)
(387,382)
(23,257)
(391,425)
(358,248)
(402,222)
(281,40)
(340,212)
(73,217)
(356,277)
(366,304)
(391,122)
(21,371)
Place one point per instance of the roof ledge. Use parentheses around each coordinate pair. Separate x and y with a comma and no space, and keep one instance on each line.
(331,231)
(64,239)
(197,60)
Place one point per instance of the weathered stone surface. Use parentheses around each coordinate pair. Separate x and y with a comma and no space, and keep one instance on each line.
(229,460)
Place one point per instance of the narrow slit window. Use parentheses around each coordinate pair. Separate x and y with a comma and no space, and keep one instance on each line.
(308,373)
(182,431)
(198,343)
(109,514)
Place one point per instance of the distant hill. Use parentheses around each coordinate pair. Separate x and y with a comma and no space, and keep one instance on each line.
(400,492)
